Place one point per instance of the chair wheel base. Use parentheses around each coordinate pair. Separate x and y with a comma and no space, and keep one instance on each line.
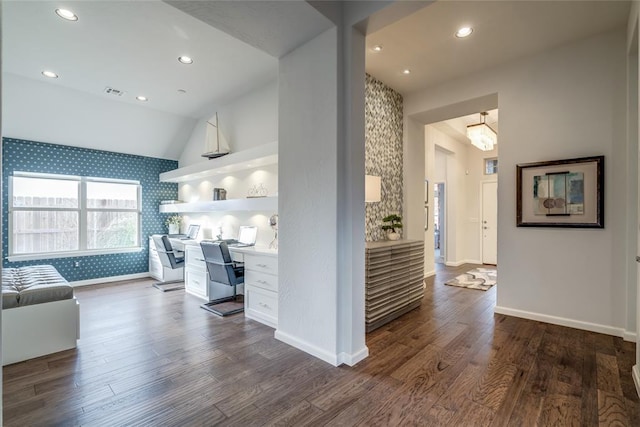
(169,286)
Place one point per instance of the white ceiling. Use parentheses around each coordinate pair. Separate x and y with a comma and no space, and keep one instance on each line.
(132,46)
(424,42)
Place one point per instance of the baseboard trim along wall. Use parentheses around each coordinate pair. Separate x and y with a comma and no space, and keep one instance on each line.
(459,263)
(353,359)
(429,273)
(630,336)
(562,321)
(100,280)
(308,348)
(635,373)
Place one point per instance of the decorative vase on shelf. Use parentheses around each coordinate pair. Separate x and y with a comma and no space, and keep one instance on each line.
(174,228)
(393,236)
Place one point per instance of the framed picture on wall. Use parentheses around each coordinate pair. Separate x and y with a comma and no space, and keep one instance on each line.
(561,193)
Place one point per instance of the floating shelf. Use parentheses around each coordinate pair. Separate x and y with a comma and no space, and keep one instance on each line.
(231,205)
(262,155)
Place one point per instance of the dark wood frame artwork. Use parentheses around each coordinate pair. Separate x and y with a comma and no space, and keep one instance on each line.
(598,223)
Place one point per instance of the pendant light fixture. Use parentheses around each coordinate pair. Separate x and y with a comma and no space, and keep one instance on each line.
(481,135)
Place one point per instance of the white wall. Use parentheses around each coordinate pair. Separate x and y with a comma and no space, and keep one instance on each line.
(47,112)
(247,122)
(562,103)
(307,153)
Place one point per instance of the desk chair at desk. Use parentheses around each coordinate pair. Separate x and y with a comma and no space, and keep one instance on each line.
(223,270)
(169,258)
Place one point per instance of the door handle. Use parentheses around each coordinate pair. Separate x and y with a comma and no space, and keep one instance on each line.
(486,228)
(637,258)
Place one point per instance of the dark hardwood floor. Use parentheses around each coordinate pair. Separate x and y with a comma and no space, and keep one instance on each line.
(148,358)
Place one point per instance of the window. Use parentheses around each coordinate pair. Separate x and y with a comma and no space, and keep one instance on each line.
(58,216)
(490,166)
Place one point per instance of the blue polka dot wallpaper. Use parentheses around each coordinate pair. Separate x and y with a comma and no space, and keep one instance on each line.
(40,157)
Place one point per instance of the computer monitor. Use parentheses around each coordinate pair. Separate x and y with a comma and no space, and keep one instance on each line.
(192,231)
(247,235)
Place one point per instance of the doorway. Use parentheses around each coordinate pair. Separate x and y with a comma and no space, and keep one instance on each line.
(439,222)
(489,228)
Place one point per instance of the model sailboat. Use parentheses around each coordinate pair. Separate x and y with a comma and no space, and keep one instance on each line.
(216,146)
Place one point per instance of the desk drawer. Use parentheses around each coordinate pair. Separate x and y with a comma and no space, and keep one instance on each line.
(195,259)
(261,280)
(261,305)
(266,264)
(196,283)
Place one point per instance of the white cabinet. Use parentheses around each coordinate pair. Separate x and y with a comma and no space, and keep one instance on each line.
(261,287)
(157,270)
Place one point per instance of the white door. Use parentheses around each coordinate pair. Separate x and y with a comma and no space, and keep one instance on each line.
(490,222)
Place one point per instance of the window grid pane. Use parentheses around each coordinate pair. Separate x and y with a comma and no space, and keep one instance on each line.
(41,192)
(107,230)
(44,231)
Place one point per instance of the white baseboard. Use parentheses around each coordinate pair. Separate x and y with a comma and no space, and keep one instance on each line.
(635,373)
(307,347)
(459,263)
(429,273)
(110,279)
(353,359)
(562,321)
(630,336)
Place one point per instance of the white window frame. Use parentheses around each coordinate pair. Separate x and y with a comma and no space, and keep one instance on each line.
(83,212)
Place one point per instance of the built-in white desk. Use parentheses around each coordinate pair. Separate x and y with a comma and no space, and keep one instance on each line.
(260,279)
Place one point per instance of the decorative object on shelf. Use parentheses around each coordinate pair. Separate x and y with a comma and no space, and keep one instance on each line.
(273,222)
(372,186)
(216,145)
(394,221)
(174,222)
(257,191)
(561,193)
(219,194)
(481,135)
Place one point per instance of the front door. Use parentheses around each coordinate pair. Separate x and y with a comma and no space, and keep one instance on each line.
(490,223)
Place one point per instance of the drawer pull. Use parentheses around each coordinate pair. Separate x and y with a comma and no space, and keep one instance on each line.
(199,259)
(196,282)
(264,282)
(261,304)
(262,265)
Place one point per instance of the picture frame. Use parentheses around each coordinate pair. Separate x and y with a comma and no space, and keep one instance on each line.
(565,193)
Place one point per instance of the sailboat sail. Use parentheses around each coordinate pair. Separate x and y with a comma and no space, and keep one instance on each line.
(216,145)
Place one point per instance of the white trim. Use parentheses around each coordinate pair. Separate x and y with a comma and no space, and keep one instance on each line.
(71,254)
(307,347)
(429,273)
(459,263)
(109,279)
(635,373)
(562,321)
(353,359)
(630,336)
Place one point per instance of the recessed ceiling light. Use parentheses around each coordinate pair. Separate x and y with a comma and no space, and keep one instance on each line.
(185,60)
(49,74)
(377,48)
(464,32)
(66,14)
(142,98)
(406,71)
